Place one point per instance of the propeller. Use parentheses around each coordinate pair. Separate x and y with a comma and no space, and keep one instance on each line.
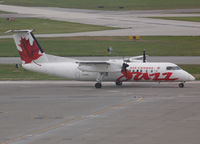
(144,56)
(124,66)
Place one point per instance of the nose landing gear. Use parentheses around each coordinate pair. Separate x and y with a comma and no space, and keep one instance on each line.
(98,85)
(181,85)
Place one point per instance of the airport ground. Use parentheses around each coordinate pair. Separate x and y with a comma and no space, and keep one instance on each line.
(49,112)
(76,113)
(131,22)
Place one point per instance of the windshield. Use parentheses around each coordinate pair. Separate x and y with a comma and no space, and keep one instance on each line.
(173,68)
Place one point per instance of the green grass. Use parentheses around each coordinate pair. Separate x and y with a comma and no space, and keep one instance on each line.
(9,72)
(122,46)
(47,26)
(110,4)
(192,19)
(192,69)
(3,12)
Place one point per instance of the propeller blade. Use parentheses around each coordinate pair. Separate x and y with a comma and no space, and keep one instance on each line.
(124,66)
(144,56)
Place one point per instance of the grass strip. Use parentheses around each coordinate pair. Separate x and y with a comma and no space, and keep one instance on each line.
(192,19)
(46,26)
(3,12)
(110,4)
(122,46)
(192,69)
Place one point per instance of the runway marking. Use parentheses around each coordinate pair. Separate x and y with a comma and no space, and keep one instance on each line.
(38,132)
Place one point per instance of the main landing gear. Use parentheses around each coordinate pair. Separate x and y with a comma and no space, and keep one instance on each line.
(181,85)
(118,83)
(99,79)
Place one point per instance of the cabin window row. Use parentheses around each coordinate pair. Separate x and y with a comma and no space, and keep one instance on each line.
(142,71)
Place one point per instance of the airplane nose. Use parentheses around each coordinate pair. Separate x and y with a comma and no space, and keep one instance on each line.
(191,78)
(186,76)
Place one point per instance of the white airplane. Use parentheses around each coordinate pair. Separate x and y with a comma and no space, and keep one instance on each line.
(134,69)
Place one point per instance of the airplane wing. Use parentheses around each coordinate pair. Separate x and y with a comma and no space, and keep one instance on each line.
(99,66)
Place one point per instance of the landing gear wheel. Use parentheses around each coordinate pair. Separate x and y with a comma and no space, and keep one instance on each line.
(118,83)
(181,85)
(98,85)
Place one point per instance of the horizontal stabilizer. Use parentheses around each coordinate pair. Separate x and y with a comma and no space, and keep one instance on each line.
(93,63)
(134,59)
(19,31)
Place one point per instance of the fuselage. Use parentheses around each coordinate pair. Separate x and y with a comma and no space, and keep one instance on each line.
(137,71)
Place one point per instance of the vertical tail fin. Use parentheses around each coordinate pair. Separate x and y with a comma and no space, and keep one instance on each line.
(28,47)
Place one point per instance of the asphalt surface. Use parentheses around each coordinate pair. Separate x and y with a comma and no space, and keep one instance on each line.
(173,59)
(76,113)
(132,22)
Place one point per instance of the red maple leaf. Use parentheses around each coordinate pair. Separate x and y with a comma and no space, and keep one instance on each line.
(29,52)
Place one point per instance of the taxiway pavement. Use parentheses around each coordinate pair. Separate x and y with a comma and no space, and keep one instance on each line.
(49,112)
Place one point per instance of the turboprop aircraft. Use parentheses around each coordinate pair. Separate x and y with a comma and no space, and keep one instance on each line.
(133,69)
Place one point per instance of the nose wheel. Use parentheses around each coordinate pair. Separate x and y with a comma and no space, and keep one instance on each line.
(181,85)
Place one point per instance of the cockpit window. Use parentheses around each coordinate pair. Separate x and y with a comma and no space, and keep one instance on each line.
(173,68)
